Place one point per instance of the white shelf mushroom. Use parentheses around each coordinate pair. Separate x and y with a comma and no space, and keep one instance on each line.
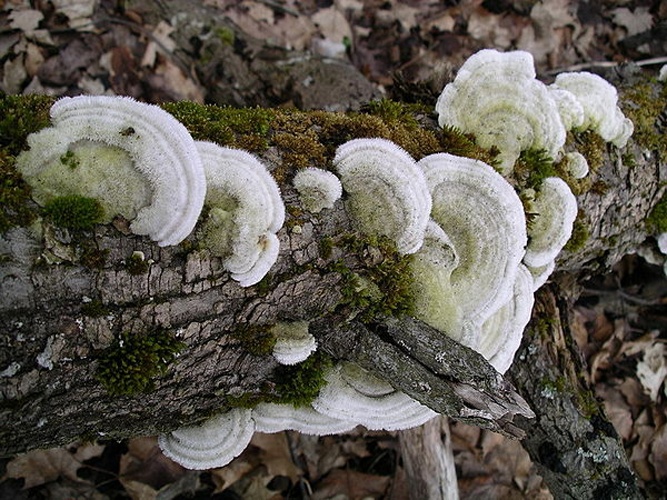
(576,164)
(556,209)
(496,97)
(502,332)
(135,158)
(318,189)
(293,342)
(432,266)
(273,417)
(483,217)
(355,395)
(245,212)
(212,444)
(599,100)
(387,192)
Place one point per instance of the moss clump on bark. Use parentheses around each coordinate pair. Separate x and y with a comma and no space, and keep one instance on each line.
(256,339)
(300,384)
(130,365)
(656,222)
(74,212)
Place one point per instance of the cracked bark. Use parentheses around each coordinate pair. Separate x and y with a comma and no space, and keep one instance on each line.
(49,344)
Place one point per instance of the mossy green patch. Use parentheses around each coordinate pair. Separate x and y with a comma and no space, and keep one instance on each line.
(532,167)
(382,285)
(580,234)
(20,116)
(455,142)
(130,365)
(74,212)
(137,264)
(300,384)
(645,104)
(15,206)
(256,339)
(94,309)
(590,145)
(656,222)
(245,128)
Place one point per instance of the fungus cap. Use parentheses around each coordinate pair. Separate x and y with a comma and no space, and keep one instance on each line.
(123,130)
(556,209)
(599,100)
(483,217)
(387,192)
(576,164)
(502,332)
(496,97)
(318,189)
(293,342)
(214,443)
(273,417)
(355,395)
(246,211)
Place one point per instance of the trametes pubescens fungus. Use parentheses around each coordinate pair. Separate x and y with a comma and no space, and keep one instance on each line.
(214,443)
(496,97)
(318,189)
(293,342)
(245,212)
(475,262)
(135,158)
(599,100)
(387,192)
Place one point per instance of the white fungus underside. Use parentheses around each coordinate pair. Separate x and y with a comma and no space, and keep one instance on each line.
(212,444)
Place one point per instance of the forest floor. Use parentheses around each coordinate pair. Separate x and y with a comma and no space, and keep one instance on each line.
(66,47)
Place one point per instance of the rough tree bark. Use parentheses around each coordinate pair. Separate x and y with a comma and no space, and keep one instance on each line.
(50,340)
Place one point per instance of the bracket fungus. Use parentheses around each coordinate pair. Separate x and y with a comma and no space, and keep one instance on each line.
(496,97)
(599,100)
(318,189)
(355,395)
(214,443)
(273,417)
(386,190)
(293,342)
(245,212)
(135,158)
(556,210)
(483,217)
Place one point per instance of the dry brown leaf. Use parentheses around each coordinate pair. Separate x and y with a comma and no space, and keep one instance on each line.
(229,474)
(275,455)
(170,80)
(354,485)
(617,409)
(633,22)
(43,466)
(25,20)
(658,453)
(652,369)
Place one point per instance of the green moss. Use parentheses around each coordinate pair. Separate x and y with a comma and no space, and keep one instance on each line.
(136,264)
(532,167)
(256,339)
(383,285)
(93,257)
(245,128)
(301,383)
(455,142)
(130,365)
(326,247)
(580,234)
(74,212)
(15,206)
(70,160)
(94,309)
(19,117)
(656,222)
(225,35)
(591,146)
(645,104)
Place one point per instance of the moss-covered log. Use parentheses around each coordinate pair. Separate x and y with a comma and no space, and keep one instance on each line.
(70,295)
